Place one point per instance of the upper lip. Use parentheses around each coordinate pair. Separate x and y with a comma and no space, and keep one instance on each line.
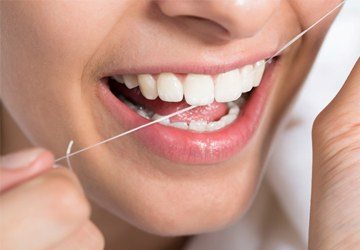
(210,67)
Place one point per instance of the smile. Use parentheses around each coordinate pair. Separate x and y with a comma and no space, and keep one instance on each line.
(230,106)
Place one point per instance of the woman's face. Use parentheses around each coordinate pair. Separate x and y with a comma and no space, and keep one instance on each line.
(58,61)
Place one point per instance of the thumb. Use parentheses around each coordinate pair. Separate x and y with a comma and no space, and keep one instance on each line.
(20,166)
(335,203)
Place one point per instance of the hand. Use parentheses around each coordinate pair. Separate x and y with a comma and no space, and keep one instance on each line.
(42,207)
(335,203)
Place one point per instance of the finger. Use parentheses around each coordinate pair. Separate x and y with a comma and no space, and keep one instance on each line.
(42,211)
(350,93)
(343,113)
(336,129)
(88,237)
(23,165)
(335,214)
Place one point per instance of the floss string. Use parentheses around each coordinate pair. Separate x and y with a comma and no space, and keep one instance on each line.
(289,43)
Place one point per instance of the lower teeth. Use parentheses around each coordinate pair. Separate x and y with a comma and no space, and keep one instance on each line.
(197,126)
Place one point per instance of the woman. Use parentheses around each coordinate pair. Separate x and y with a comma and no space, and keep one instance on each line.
(87,68)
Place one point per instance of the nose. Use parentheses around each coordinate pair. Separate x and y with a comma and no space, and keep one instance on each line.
(235,18)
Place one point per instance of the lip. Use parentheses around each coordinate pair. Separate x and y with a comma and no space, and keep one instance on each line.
(187,147)
(210,67)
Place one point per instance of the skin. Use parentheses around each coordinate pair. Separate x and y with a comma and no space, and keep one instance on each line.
(60,47)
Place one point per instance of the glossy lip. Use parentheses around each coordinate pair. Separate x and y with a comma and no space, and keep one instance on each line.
(209,68)
(186,147)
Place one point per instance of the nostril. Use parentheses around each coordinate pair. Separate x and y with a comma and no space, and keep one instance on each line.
(231,19)
(205,26)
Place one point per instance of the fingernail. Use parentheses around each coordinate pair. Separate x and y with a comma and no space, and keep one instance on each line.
(20,159)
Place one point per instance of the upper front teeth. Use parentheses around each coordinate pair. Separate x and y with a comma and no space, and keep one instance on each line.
(198,89)
(228,86)
(169,87)
(148,86)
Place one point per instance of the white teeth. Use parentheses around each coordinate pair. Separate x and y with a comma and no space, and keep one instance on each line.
(181,125)
(234,108)
(247,78)
(228,86)
(259,69)
(229,118)
(164,121)
(119,78)
(199,89)
(212,126)
(169,88)
(148,87)
(143,113)
(130,81)
(199,126)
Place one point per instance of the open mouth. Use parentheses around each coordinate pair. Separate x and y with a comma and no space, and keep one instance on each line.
(229,108)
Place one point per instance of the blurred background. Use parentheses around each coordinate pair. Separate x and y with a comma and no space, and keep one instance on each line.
(291,160)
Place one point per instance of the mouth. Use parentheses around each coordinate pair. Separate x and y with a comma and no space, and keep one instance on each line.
(229,108)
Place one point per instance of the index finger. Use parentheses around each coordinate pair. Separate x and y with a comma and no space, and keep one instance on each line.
(11,176)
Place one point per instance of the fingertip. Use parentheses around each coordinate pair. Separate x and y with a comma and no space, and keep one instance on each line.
(45,160)
(23,165)
(21,159)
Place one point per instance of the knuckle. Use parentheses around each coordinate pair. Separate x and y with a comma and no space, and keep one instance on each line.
(63,196)
(332,125)
(336,138)
(97,241)
(89,237)
(323,120)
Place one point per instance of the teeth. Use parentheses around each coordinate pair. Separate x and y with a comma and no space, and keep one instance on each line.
(259,69)
(233,108)
(198,126)
(130,81)
(148,87)
(119,78)
(164,122)
(199,89)
(247,78)
(181,125)
(228,86)
(143,113)
(213,126)
(169,88)
(203,126)
(229,118)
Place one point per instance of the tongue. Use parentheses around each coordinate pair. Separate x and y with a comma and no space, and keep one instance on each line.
(211,112)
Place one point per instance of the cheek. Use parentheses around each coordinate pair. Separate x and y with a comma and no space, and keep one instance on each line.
(309,11)
(44,56)
(53,38)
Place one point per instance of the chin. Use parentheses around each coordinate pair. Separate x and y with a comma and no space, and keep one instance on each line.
(173,204)
(179,204)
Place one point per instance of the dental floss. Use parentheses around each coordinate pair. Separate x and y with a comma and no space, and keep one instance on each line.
(306,30)
(68,151)
(67,156)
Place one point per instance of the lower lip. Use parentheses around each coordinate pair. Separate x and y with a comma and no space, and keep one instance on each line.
(186,147)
